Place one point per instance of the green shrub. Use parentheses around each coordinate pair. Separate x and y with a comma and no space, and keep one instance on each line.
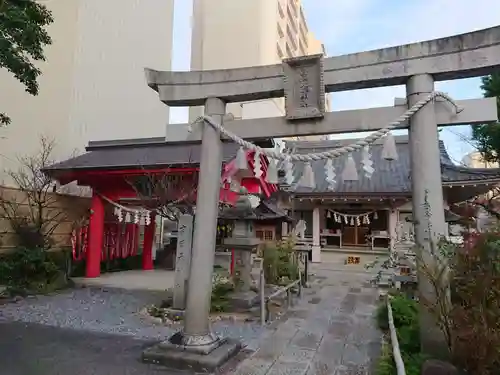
(221,288)
(385,365)
(405,316)
(31,270)
(404,312)
(279,262)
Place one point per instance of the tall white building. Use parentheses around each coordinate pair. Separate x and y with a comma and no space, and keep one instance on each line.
(233,34)
(92,85)
(476,160)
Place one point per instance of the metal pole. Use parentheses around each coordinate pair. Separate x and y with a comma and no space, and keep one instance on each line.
(196,321)
(262,292)
(300,284)
(306,269)
(398,360)
(427,190)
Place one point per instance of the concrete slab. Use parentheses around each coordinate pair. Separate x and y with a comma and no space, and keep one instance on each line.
(183,360)
(154,280)
(244,300)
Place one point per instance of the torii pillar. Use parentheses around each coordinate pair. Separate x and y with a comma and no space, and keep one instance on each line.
(196,347)
(427,199)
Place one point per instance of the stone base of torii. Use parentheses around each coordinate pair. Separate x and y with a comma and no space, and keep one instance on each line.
(303,81)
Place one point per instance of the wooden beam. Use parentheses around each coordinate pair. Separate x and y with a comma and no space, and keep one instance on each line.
(475,111)
(460,56)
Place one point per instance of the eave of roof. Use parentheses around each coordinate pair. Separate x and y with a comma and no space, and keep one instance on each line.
(390,177)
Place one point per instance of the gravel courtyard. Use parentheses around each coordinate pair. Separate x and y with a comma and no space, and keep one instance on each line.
(110,311)
(91,331)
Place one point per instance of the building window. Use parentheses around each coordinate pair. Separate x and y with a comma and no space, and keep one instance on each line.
(292,4)
(280,52)
(293,26)
(303,50)
(304,41)
(280,11)
(289,52)
(291,38)
(281,34)
(264,235)
(289,13)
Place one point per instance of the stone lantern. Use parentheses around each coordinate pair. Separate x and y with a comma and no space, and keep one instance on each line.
(243,242)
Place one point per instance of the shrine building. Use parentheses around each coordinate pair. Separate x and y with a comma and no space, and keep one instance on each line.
(364,214)
(121,222)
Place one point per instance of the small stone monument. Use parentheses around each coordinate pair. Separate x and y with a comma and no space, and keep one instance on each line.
(243,242)
(183,260)
(405,277)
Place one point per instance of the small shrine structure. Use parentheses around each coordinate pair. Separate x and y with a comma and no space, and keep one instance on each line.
(121,221)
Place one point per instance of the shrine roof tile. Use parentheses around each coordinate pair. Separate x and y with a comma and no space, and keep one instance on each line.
(266,210)
(389,176)
(109,155)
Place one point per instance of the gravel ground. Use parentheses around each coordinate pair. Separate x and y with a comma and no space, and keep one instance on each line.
(112,312)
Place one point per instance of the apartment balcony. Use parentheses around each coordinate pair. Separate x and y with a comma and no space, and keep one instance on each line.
(281,34)
(280,11)
(292,20)
(292,38)
(292,4)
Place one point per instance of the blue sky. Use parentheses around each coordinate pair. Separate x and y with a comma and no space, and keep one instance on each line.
(348,26)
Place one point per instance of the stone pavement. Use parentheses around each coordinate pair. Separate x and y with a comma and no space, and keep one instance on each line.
(330,332)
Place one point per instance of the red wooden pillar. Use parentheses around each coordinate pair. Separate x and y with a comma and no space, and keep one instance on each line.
(233,261)
(96,237)
(147,249)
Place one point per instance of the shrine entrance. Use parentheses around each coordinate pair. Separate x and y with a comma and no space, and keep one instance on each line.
(125,246)
(303,82)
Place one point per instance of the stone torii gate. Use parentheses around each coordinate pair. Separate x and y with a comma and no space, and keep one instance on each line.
(303,81)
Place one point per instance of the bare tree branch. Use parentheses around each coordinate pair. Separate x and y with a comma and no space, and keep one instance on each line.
(36,211)
(168,193)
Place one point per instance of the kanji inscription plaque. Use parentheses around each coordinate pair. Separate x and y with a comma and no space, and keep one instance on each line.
(304,87)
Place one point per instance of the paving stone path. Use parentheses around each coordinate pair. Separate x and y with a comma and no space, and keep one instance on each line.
(330,332)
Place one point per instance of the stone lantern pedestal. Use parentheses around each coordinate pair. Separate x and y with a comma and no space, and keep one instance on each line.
(243,297)
(243,242)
